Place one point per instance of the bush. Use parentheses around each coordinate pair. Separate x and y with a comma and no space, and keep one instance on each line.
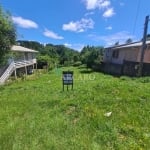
(78,63)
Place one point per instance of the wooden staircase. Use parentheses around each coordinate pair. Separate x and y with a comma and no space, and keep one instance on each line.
(13,66)
(7,73)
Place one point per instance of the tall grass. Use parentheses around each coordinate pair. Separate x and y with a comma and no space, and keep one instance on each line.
(36,114)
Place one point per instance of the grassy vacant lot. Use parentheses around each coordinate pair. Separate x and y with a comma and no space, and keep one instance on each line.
(36,114)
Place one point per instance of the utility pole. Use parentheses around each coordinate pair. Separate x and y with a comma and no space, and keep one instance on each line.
(143,46)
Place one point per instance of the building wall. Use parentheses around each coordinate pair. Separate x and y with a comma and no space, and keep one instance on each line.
(111,68)
(118,57)
(19,56)
(131,69)
(129,54)
(146,56)
(125,61)
(107,55)
(28,56)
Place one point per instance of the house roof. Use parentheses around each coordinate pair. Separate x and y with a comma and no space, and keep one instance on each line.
(22,49)
(135,44)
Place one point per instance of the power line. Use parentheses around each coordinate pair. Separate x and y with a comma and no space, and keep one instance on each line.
(137,14)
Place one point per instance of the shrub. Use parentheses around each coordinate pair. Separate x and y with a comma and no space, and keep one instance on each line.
(78,63)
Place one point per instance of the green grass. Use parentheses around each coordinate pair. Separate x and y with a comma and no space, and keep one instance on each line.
(36,114)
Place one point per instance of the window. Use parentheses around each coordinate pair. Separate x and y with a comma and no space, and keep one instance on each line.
(115,54)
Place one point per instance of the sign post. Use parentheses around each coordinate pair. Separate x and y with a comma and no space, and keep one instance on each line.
(67,79)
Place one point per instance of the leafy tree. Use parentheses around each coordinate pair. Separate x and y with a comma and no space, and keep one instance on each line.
(67,56)
(7,34)
(52,54)
(51,51)
(45,61)
(76,57)
(95,57)
(85,52)
(31,44)
(92,55)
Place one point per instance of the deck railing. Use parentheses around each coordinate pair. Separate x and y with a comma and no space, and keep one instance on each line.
(20,64)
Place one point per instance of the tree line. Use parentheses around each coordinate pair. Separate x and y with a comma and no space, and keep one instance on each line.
(51,55)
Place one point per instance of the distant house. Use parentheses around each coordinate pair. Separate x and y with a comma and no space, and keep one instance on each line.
(23,60)
(124,59)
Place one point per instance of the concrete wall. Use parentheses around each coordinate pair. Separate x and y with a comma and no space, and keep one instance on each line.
(128,54)
(107,55)
(131,69)
(146,56)
(127,61)
(114,69)
(128,68)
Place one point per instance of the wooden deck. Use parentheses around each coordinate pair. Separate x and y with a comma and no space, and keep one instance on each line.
(13,66)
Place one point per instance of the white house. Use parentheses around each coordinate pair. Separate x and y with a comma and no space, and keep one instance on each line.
(22,59)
